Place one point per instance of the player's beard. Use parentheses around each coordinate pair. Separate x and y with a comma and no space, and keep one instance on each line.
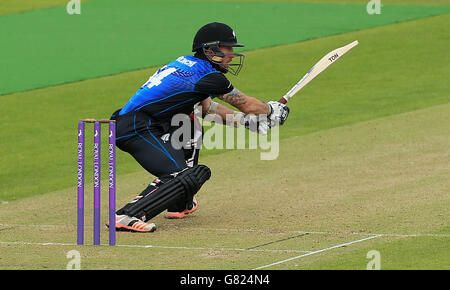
(233,67)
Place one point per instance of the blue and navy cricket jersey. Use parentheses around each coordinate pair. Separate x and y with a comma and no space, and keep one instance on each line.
(177,87)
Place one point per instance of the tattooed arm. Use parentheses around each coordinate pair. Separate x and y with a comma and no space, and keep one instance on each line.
(245,104)
(219,86)
(217,113)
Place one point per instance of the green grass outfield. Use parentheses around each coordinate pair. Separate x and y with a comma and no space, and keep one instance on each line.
(18,6)
(50,47)
(363,164)
(388,73)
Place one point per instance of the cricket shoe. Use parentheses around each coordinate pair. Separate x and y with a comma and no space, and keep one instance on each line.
(181,214)
(132,224)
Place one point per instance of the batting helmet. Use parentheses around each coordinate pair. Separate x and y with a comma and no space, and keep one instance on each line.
(215,33)
(210,38)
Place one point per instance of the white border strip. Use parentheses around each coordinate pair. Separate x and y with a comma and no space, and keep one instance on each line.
(316,252)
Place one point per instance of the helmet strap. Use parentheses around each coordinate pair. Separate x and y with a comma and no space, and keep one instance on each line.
(215,57)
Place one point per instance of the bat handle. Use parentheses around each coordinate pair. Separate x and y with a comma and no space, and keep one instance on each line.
(283,100)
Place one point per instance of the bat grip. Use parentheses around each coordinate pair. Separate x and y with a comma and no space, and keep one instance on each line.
(282,100)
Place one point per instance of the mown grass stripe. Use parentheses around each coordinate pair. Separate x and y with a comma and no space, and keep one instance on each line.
(49,47)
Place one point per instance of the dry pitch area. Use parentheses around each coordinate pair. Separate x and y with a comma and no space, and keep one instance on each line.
(329,199)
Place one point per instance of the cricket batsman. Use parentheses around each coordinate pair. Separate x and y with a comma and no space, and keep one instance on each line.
(144,124)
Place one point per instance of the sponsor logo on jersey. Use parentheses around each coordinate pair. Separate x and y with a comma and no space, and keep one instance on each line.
(186,61)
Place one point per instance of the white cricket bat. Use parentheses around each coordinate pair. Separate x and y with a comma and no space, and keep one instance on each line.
(319,67)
